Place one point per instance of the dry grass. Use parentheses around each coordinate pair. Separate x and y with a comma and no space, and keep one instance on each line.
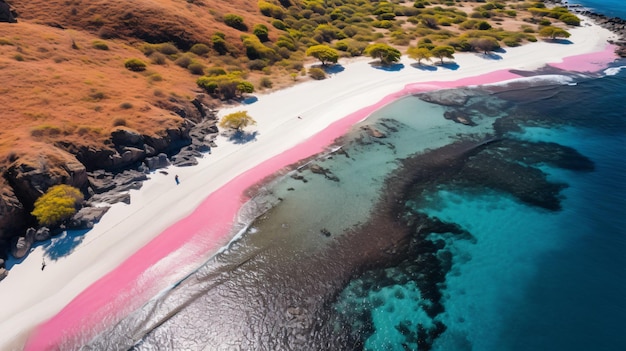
(58,87)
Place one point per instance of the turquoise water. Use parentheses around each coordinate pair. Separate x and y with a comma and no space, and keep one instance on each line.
(506,234)
(612,8)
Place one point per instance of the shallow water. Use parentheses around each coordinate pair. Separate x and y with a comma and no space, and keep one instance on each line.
(418,232)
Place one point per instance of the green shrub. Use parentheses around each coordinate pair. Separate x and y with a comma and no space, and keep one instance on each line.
(184,61)
(257,65)
(126,105)
(18,57)
(100,45)
(158,58)
(235,21)
(196,68)
(317,73)
(135,64)
(278,24)
(215,71)
(200,49)
(261,31)
(59,203)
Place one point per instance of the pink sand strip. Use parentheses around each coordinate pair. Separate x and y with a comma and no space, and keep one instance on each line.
(592,62)
(126,288)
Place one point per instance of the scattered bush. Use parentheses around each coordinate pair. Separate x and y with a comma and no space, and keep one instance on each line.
(135,65)
(59,203)
(126,105)
(235,21)
(100,45)
(158,58)
(196,68)
(200,49)
(184,61)
(317,73)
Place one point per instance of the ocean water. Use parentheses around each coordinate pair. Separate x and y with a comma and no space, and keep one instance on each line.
(611,8)
(476,219)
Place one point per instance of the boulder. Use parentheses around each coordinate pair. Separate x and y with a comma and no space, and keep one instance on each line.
(132,155)
(42,234)
(21,247)
(6,13)
(127,137)
(3,273)
(86,217)
(156,162)
(12,213)
(31,176)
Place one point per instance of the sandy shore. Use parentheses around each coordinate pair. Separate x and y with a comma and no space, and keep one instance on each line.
(139,249)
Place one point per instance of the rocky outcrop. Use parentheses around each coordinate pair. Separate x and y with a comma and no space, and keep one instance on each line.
(7,14)
(11,211)
(30,178)
(87,217)
(105,173)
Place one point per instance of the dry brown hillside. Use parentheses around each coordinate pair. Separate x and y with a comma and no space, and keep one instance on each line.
(58,87)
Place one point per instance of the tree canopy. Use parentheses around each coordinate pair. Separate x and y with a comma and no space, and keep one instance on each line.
(553,32)
(59,203)
(225,86)
(237,120)
(324,53)
(385,53)
(443,51)
(419,54)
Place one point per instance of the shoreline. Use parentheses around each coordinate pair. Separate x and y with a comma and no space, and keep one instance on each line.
(161,204)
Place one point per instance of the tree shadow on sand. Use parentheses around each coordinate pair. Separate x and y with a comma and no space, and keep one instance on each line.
(424,67)
(64,244)
(559,41)
(333,69)
(394,67)
(242,137)
(453,66)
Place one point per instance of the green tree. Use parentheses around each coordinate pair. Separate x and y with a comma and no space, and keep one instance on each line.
(419,54)
(225,86)
(385,53)
(219,43)
(553,32)
(324,53)
(443,51)
(237,120)
(59,203)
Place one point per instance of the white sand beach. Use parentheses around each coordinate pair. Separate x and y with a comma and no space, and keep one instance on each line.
(33,295)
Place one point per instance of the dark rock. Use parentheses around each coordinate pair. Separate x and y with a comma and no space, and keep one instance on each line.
(373,132)
(87,217)
(126,137)
(30,178)
(156,162)
(2,263)
(448,97)
(12,213)
(7,14)
(101,182)
(42,234)
(131,155)
(3,273)
(110,198)
(459,117)
(185,159)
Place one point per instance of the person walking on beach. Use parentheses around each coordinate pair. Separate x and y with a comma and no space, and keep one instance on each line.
(176,179)
(43,263)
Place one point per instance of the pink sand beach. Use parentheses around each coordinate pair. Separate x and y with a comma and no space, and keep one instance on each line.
(140,249)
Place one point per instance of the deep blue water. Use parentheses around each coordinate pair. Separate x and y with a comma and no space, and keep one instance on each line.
(612,8)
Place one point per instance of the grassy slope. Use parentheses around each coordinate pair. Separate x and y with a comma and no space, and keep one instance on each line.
(52,91)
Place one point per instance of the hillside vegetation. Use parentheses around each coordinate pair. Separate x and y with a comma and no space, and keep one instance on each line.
(75,71)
